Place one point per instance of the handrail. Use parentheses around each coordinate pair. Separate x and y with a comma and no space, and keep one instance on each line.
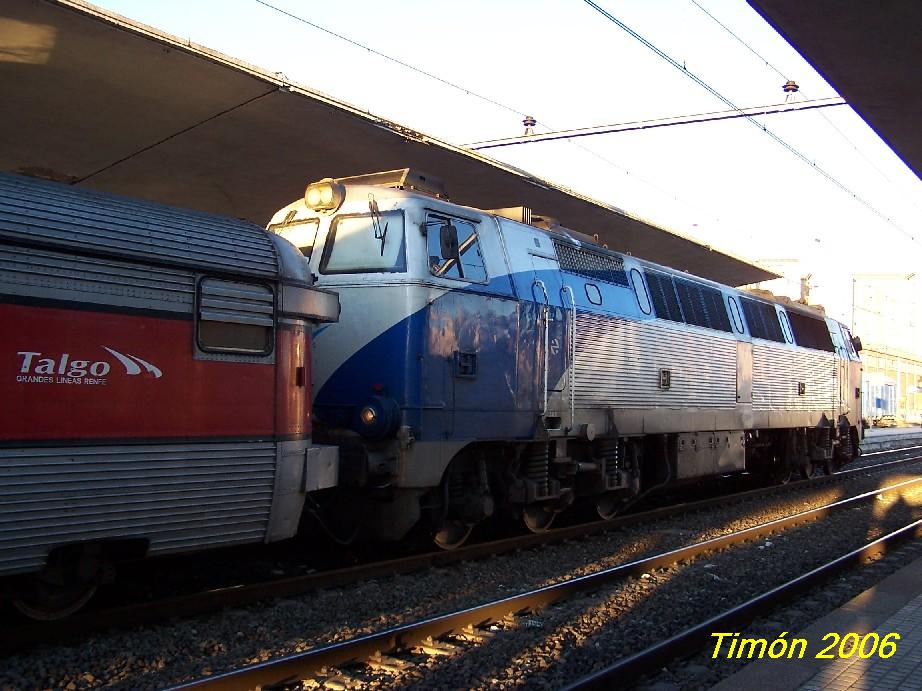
(547,309)
(569,290)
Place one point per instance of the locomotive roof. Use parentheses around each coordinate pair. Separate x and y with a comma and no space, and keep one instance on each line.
(51,215)
(105,103)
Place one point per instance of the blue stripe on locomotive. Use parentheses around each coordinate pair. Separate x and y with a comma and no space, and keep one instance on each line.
(414,362)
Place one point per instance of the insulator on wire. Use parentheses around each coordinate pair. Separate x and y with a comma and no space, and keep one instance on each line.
(790,88)
(529,123)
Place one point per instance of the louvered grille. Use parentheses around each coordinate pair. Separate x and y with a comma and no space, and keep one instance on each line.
(702,305)
(762,319)
(665,301)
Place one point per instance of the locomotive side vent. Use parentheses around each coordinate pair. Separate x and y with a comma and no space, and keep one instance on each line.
(762,319)
(681,300)
(593,265)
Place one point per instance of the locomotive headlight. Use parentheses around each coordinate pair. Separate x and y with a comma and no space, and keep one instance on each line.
(368,415)
(325,195)
(378,418)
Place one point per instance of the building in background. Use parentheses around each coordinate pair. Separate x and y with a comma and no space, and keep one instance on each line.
(892,384)
(886,314)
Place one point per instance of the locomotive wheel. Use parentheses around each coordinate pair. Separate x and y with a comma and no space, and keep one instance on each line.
(807,471)
(780,473)
(608,507)
(452,534)
(538,518)
(49,602)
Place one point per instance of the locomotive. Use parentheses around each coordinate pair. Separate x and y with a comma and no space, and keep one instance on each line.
(493,360)
(155,396)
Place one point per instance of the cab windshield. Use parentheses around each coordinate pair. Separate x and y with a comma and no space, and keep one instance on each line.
(365,244)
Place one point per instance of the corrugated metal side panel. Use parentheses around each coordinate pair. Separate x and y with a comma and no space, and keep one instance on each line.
(60,216)
(57,276)
(618,363)
(179,497)
(776,372)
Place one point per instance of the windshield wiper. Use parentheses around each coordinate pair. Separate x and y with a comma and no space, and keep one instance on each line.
(380,233)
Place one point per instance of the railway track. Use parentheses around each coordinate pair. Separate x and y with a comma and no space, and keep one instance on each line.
(440,635)
(625,671)
(200,603)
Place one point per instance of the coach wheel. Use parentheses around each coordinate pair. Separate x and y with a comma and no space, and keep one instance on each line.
(807,470)
(452,534)
(538,518)
(608,506)
(48,601)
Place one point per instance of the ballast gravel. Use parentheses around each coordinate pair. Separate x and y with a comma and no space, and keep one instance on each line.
(544,650)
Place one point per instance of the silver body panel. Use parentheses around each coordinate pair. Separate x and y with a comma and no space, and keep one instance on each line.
(778,370)
(618,363)
(178,497)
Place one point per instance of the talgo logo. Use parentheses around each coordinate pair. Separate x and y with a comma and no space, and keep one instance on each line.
(38,368)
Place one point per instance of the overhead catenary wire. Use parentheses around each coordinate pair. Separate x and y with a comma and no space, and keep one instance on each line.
(711,90)
(741,41)
(390,58)
(469,92)
(786,78)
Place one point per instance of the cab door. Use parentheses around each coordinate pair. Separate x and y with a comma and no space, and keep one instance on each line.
(543,321)
(472,327)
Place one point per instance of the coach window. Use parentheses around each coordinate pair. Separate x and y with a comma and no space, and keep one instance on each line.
(300,233)
(235,317)
(454,250)
(365,243)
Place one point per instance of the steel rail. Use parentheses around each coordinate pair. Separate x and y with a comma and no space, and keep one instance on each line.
(626,671)
(195,604)
(303,665)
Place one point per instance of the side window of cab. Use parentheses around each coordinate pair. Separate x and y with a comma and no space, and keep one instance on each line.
(453,249)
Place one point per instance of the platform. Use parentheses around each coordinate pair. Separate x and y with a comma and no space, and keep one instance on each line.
(876,439)
(893,605)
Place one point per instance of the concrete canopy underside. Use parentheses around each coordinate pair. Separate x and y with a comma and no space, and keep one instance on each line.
(96,100)
(870,52)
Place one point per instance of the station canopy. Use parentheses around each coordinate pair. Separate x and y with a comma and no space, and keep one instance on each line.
(870,53)
(96,100)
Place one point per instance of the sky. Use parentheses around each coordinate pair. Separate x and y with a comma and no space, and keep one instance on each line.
(725,184)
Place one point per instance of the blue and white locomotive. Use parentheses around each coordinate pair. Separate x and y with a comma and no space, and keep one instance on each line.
(490,360)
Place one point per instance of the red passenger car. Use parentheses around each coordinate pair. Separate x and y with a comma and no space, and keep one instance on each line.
(155,388)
